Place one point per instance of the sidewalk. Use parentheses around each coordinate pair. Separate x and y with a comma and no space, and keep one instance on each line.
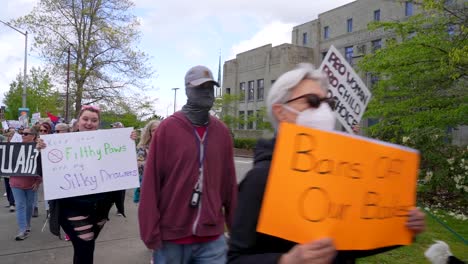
(118,243)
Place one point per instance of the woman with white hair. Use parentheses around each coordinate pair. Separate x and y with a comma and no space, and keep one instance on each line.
(299,96)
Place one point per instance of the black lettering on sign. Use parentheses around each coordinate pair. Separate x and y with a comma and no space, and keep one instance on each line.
(337,65)
(328,209)
(374,208)
(19,159)
(386,167)
(303,152)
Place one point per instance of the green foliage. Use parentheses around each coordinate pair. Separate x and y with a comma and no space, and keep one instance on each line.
(40,95)
(421,92)
(245,143)
(226,107)
(100,35)
(414,253)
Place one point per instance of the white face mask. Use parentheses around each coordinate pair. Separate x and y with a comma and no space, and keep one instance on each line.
(321,117)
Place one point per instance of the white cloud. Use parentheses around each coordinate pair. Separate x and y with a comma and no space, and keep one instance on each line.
(275,33)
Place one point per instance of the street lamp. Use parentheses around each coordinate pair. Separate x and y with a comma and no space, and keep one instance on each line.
(175,97)
(25,34)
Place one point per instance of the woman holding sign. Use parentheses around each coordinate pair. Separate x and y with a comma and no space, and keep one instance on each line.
(82,217)
(24,190)
(298,96)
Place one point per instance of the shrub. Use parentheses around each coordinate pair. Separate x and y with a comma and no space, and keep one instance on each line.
(245,143)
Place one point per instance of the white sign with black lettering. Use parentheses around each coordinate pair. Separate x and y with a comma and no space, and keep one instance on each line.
(81,163)
(347,88)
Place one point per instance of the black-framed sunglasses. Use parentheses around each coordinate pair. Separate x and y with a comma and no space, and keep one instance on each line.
(314,100)
(26,133)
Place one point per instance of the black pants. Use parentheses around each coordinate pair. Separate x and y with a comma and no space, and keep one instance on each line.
(119,199)
(96,212)
(11,199)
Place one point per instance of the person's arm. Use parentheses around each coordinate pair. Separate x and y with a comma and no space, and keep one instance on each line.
(244,237)
(148,211)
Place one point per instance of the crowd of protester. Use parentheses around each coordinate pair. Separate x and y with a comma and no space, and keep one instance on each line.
(189,196)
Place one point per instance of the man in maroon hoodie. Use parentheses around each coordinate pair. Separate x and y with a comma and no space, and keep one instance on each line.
(189,188)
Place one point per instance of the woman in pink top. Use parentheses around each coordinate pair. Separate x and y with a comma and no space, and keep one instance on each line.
(24,189)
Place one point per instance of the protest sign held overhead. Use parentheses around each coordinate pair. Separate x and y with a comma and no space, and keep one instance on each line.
(321,186)
(83,163)
(346,87)
(19,159)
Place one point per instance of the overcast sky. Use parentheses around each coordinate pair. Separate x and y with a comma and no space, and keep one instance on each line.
(179,34)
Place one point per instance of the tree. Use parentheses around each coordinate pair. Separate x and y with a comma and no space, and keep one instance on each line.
(100,35)
(41,96)
(133,111)
(421,93)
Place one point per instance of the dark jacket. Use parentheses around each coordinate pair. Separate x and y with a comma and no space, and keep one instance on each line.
(171,172)
(246,245)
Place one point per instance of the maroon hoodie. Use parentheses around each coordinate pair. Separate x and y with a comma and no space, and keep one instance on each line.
(170,174)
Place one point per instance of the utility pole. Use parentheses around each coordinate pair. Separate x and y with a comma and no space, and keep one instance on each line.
(25,34)
(175,97)
(67,107)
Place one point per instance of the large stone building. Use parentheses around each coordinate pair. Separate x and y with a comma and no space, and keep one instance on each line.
(252,73)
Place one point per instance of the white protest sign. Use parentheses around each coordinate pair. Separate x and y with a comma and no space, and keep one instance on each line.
(346,87)
(14,123)
(5,125)
(17,138)
(35,118)
(80,163)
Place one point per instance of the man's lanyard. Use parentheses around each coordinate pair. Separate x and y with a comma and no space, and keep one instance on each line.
(201,142)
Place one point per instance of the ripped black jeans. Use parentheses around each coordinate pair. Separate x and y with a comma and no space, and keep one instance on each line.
(82,220)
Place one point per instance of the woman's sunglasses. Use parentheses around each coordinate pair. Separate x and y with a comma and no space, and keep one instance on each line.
(26,133)
(43,130)
(314,100)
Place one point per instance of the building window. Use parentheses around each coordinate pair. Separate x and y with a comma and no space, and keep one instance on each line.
(304,38)
(241,119)
(324,54)
(250,119)
(260,90)
(349,54)
(349,25)
(251,94)
(376,44)
(451,29)
(408,8)
(242,91)
(326,32)
(374,79)
(377,15)
(228,90)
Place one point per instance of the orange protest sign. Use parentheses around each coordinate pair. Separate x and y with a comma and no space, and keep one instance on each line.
(355,190)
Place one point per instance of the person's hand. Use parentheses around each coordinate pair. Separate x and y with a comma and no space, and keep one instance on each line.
(134,135)
(416,221)
(356,129)
(321,251)
(36,186)
(40,144)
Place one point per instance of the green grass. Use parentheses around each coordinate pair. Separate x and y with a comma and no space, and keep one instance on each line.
(435,231)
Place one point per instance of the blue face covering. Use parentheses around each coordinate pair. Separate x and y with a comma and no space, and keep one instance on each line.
(200,99)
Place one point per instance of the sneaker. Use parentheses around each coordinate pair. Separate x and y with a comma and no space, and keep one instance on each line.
(28,231)
(119,214)
(12,208)
(67,238)
(35,212)
(5,194)
(21,236)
